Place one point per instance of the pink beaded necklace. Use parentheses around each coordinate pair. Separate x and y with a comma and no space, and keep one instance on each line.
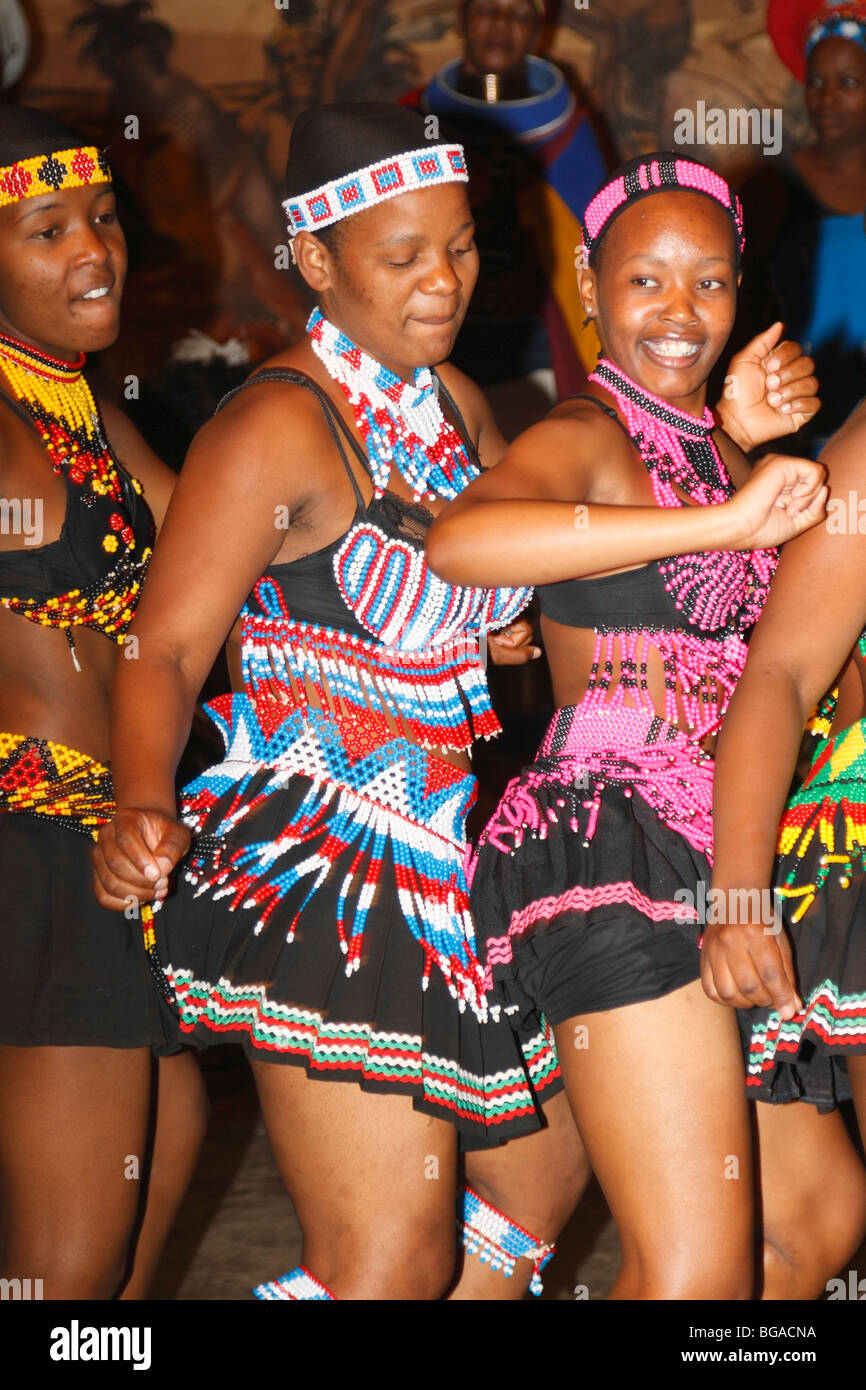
(719,588)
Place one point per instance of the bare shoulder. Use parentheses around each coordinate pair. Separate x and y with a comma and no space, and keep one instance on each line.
(267,428)
(470,399)
(844,453)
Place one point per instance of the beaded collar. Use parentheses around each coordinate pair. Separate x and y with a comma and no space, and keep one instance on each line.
(719,588)
(400,422)
(57,398)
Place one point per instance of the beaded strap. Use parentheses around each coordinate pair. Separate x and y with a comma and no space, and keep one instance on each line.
(298,1286)
(500,1242)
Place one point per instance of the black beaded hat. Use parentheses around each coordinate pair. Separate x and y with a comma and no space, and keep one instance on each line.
(349,156)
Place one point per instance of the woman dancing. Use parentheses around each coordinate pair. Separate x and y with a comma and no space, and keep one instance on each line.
(322,918)
(80,1163)
(806,984)
(588,878)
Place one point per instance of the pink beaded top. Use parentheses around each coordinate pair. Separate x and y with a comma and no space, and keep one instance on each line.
(699,608)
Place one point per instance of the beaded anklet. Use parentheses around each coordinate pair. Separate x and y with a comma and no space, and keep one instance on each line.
(298,1286)
(500,1242)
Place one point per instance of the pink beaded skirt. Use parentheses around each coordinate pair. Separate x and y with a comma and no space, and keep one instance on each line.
(589,878)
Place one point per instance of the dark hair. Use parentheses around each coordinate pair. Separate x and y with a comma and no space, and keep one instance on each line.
(25,132)
(331,141)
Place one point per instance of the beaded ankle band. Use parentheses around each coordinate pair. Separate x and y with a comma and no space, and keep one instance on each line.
(500,1242)
(298,1286)
(654,175)
(48,173)
(365,188)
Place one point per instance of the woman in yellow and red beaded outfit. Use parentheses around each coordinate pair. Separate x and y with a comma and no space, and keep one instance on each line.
(80,1018)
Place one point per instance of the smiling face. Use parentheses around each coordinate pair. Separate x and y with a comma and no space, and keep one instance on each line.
(62,268)
(397,278)
(836,91)
(498,34)
(663,293)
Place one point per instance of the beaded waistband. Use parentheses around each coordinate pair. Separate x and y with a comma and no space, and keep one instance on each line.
(54,783)
(586,751)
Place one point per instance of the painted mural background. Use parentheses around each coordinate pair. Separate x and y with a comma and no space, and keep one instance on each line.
(196,99)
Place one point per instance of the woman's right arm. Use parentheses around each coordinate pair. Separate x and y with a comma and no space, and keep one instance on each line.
(531,519)
(221,532)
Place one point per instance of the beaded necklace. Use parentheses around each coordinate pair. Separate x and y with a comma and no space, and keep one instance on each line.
(719,588)
(58,399)
(400,422)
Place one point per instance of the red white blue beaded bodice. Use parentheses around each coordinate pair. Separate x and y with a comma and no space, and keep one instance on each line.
(365,631)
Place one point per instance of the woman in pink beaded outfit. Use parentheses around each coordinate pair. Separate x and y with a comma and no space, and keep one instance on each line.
(591,878)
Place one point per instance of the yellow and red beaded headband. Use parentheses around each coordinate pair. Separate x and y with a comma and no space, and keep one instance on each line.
(49,173)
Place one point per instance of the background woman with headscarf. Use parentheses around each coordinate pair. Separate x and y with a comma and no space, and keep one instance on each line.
(808,260)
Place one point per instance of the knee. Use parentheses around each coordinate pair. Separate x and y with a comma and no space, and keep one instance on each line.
(76,1268)
(689,1277)
(812,1243)
(414,1265)
(542,1212)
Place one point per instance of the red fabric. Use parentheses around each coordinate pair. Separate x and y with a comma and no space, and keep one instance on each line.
(788,22)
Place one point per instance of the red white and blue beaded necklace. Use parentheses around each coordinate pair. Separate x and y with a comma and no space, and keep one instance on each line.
(400,422)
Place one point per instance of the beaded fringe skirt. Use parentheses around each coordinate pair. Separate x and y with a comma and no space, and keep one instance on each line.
(821,877)
(322,920)
(608,833)
(71,973)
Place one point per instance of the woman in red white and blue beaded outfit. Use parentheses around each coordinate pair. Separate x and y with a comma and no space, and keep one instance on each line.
(80,1017)
(321,915)
(587,886)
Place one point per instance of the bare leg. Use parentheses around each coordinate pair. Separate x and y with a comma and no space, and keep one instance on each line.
(71,1119)
(536,1181)
(813,1195)
(657,1091)
(372,1182)
(178,1129)
(857,1077)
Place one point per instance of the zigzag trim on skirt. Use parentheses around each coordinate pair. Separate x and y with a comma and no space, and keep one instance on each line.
(398,799)
(357,1049)
(835,1022)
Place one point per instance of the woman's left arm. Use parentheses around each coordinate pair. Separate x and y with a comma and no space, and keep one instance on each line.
(137,457)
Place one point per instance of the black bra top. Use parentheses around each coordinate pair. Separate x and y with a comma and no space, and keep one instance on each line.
(77,558)
(309,584)
(635,597)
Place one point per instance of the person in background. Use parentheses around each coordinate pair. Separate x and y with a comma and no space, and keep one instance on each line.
(535,164)
(808,262)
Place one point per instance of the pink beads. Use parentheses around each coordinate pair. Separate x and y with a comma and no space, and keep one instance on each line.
(668,173)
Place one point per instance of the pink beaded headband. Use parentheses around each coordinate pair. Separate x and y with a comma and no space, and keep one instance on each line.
(401,173)
(657,174)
